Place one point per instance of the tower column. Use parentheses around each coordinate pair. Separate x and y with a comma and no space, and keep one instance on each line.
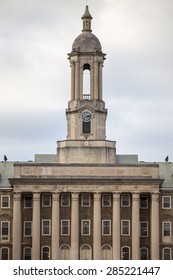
(17,226)
(55,226)
(135,227)
(154,226)
(100,81)
(96,80)
(74,226)
(36,227)
(72,80)
(116,226)
(97,227)
(77,80)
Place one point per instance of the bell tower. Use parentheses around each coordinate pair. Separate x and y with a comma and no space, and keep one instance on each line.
(86,113)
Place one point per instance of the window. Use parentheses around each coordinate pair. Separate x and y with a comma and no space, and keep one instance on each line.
(85,227)
(86,200)
(86,127)
(125,253)
(65,199)
(5,230)
(27,201)
(4,253)
(144,202)
(106,200)
(125,227)
(125,200)
(27,228)
(166,229)
(166,202)
(46,227)
(144,229)
(166,254)
(27,253)
(65,227)
(144,253)
(45,254)
(5,201)
(106,227)
(46,200)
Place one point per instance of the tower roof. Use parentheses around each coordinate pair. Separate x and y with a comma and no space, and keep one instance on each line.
(86,41)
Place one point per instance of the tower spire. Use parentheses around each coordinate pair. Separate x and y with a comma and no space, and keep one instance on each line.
(87,20)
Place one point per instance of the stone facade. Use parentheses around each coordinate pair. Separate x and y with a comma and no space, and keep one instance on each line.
(86,202)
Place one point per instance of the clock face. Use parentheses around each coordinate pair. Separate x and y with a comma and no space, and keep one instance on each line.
(86,116)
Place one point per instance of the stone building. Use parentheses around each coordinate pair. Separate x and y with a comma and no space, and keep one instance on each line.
(86,202)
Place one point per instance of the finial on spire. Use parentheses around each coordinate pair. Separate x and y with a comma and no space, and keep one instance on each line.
(87,20)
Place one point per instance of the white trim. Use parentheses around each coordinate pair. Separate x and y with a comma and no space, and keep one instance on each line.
(163,197)
(146,222)
(25,228)
(6,237)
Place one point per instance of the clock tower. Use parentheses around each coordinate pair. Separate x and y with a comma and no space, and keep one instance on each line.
(86,114)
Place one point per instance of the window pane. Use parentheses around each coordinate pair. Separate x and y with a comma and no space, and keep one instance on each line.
(46,227)
(5,201)
(65,199)
(167,254)
(106,227)
(144,201)
(46,253)
(85,200)
(4,253)
(166,229)
(144,229)
(166,201)
(85,227)
(125,200)
(27,253)
(28,201)
(125,228)
(46,200)
(27,228)
(106,200)
(65,224)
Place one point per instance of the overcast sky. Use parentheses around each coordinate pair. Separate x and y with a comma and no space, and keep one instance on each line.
(35,37)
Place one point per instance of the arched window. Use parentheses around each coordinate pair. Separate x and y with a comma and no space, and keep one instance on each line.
(45,254)
(144,253)
(106,252)
(4,253)
(27,253)
(86,81)
(64,252)
(125,253)
(85,252)
(166,253)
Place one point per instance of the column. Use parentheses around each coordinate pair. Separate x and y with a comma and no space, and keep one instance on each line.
(77,80)
(100,80)
(96,80)
(55,226)
(97,227)
(135,227)
(74,226)
(16,226)
(155,226)
(36,227)
(72,80)
(116,226)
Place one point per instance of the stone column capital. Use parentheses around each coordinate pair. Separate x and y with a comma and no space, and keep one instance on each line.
(135,196)
(116,196)
(97,196)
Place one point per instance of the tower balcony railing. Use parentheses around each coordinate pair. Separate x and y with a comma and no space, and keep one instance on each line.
(86,96)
